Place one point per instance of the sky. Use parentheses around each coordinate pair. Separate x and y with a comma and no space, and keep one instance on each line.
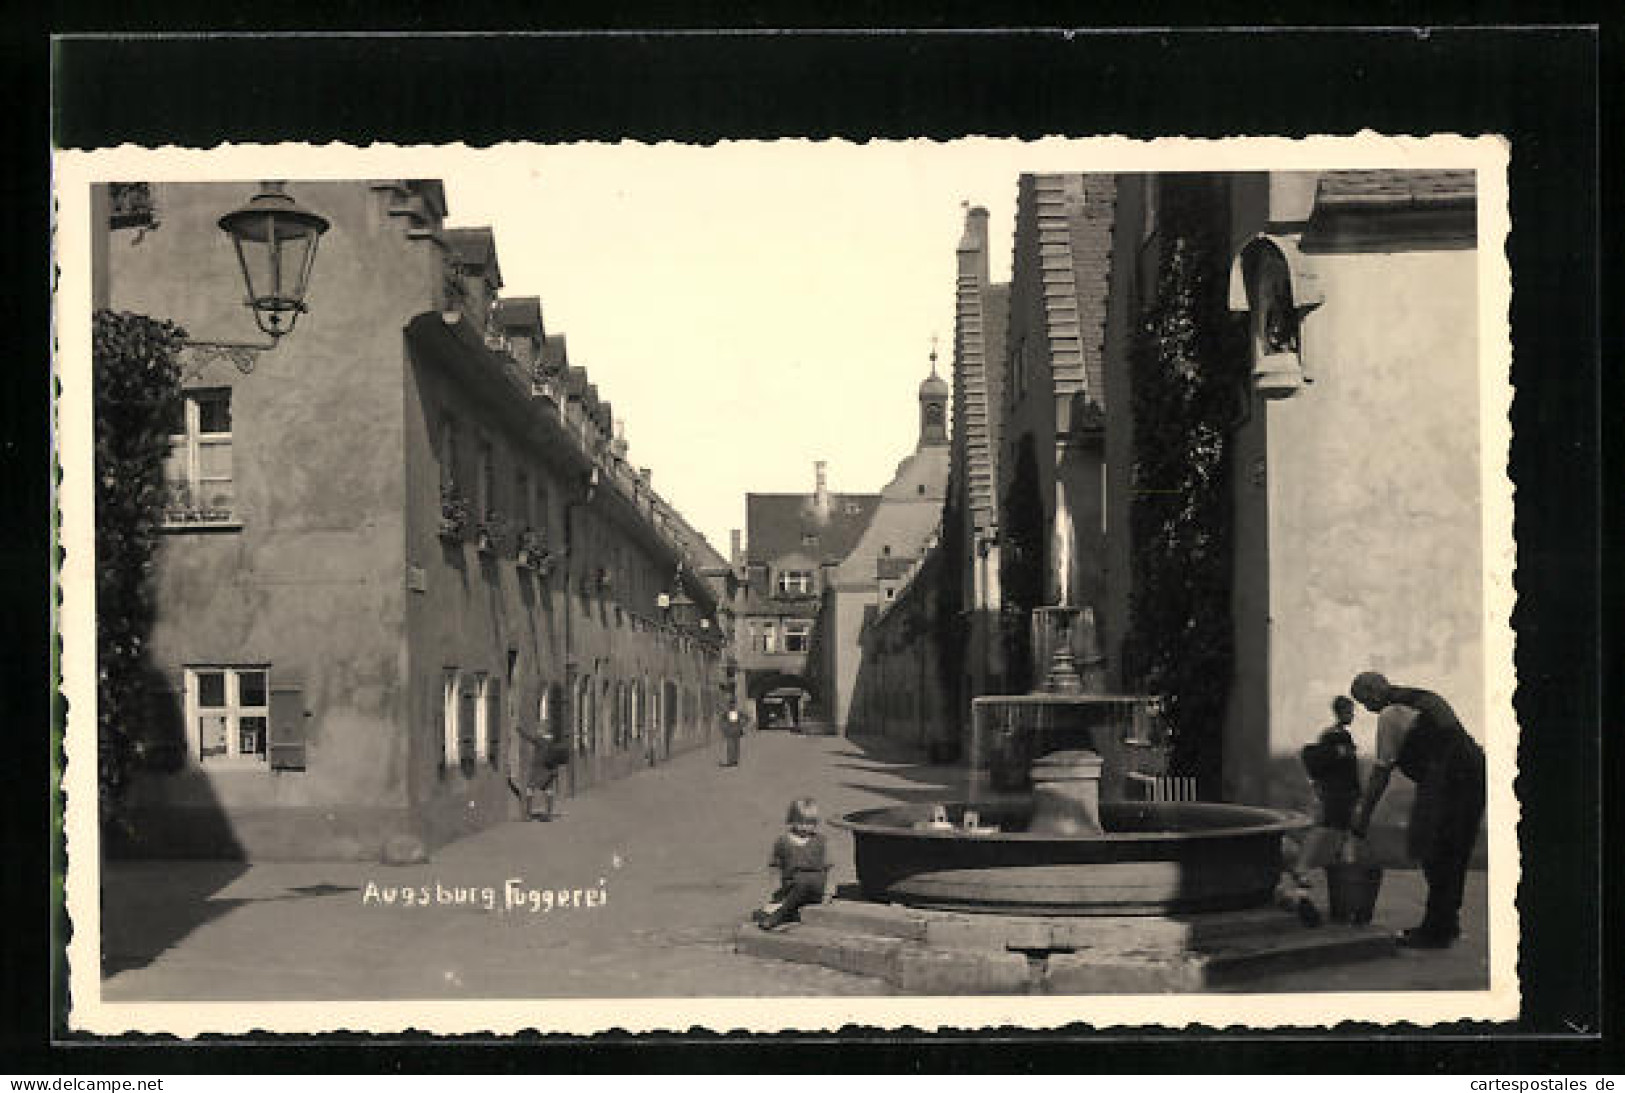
(748,308)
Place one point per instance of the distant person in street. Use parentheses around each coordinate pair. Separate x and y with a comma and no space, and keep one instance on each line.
(1419,733)
(1334,772)
(800,856)
(547,755)
(733,727)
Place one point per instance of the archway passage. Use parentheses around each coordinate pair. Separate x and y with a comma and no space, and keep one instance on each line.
(781,700)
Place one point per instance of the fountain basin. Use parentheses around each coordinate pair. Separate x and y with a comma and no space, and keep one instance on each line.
(1153,858)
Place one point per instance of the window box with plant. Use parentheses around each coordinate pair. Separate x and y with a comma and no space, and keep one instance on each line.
(533,552)
(454,516)
(493,535)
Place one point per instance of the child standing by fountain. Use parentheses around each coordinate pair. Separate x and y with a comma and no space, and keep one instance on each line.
(1335,774)
(800,857)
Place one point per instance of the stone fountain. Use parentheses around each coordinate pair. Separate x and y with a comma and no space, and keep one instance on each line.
(1046,878)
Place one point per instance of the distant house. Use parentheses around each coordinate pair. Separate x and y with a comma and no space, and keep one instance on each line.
(794,543)
(391,542)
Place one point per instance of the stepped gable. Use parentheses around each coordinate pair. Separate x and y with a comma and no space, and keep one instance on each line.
(776,523)
(1091,238)
(1067,220)
(980,320)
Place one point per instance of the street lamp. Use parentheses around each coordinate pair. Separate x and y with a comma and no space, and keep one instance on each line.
(684,611)
(275,239)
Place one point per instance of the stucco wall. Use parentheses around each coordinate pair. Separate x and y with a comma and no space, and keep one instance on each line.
(473,611)
(910,510)
(1375,512)
(311,583)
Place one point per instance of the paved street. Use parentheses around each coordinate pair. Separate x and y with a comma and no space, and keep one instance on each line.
(678,853)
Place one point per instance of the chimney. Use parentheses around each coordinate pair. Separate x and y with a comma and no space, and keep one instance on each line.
(820,489)
(736,552)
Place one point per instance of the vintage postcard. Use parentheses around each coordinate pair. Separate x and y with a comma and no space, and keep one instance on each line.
(787,585)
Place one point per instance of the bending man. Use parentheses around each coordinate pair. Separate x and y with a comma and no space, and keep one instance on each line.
(1419,733)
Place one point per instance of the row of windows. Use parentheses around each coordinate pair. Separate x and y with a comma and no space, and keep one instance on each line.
(229,717)
(609,715)
(527,503)
(779,635)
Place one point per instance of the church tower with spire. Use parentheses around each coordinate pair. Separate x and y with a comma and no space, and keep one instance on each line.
(933,406)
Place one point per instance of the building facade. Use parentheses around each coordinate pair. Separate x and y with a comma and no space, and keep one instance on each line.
(969,572)
(1352,493)
(392,540)
(1342,441)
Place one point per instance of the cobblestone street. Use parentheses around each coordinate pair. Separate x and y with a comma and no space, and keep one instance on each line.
(678,850)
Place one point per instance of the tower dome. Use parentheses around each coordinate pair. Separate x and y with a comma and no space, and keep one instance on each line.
(934,393)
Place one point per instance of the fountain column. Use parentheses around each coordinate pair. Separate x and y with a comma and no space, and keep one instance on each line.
(1066,794)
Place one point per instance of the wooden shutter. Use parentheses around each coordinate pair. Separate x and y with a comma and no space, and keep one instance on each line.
(495,723)
(288,726)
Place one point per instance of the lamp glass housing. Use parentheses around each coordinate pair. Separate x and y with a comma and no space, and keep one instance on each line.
(684,611)
(275,240)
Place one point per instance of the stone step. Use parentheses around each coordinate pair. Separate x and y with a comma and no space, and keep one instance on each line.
(907,965)
(1327,945)
(801,943)
(1152,972)
(1033,933)
(877,919)
(928,966)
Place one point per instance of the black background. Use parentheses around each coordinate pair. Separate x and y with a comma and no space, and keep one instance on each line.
(1538,86)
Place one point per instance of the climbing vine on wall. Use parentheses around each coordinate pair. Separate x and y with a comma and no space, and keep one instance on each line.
(136,379)
(1189,364)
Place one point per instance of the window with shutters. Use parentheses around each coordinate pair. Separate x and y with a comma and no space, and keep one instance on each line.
(488,730)
(448,716)
(583,715)
(229,719)
(198,477)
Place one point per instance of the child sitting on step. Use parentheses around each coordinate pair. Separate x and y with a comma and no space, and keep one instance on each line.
(800,857)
